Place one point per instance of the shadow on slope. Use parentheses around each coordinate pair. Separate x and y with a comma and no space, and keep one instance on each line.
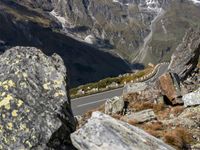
(85,63)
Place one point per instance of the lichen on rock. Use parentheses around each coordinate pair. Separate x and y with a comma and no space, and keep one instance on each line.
(34,102)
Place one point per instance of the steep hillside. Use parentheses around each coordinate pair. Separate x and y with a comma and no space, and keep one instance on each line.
(138,30)
(20,26)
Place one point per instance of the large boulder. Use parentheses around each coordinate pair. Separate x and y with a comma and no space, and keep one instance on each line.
(185,58)
(192,99)
(104,132)
(169,85)
(140,92)
(35,111)
(114,105)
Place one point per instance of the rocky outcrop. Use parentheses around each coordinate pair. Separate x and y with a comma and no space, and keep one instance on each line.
(114,105)
(186,57)
(140,92)
(141,116)
(35,111)
(192,99)
(104,132)
(169,85)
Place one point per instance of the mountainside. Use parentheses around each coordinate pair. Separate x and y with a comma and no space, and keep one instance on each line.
(138,30)
(22,26)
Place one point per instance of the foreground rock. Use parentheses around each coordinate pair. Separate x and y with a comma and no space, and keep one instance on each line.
(192,99)
(170,87)
(185,58)
(104,132)
(35,110)
(114,105)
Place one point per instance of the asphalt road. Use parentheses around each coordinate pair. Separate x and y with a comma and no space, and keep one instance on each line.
(83,104)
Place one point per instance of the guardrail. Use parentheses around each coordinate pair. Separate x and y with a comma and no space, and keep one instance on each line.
(150,75)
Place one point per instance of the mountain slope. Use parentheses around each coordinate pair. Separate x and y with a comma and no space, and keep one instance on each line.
(138,30)
(21,26)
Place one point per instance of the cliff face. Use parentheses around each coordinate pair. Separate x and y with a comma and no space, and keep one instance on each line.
(138,30)
(21,26)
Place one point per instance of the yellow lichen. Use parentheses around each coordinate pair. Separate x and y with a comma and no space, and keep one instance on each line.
(28,143)
(9,126)
(19,103)
(11,83)
(59,93)
(7,84)
(4,116)
(6,101)
(23,84)
(22,126)
(25,75)
(58,83)
(27,110)
(5,87)
(46,86)
(14,113)
(3,94)
(6,140)
(1,128)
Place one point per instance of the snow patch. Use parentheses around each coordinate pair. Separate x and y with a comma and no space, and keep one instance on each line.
(61,19)
(197,2)
(90,39)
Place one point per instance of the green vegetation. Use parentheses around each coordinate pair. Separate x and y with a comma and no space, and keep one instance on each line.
(103,85)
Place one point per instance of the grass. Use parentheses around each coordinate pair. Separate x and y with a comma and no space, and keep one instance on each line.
(102,84)
(23,13)
(178,137)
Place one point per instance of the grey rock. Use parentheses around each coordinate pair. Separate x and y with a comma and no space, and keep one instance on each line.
(141,116)
(186,57)
(192,99)
(104,132)
(114,105)
(35,111)
(134,87)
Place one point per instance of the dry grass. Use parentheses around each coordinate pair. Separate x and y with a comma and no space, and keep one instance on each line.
(178,137)
(139,106)
(177,110)
(154,128)
(132,122)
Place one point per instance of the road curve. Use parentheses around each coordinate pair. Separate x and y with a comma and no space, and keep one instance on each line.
(83,104)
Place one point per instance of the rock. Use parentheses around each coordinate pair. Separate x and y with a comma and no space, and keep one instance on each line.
(114,105)
(35,111)
(141,116)
(170,87)
(142,93)
(104,132)
(134,87)
(192,99)
(188,119)
(185,58)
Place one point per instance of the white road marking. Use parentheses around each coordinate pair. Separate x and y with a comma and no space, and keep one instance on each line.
(97,94)
(90,103)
